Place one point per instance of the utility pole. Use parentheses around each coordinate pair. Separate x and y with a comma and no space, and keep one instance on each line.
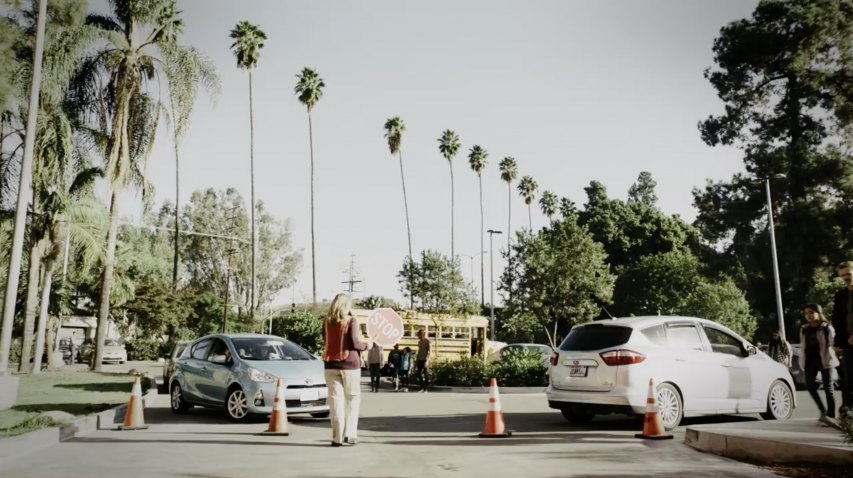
(492,233)
(230,224)
(351,274)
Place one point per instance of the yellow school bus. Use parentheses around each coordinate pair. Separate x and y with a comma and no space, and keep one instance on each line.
(452,336)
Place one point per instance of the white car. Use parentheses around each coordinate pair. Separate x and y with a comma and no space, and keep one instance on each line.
(114,351)
(699,367)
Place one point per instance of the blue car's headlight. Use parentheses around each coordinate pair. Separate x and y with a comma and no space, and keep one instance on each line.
(256,375)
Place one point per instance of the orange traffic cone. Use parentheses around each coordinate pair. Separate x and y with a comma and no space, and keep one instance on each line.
(495,427)
(133,416)
(652,424)
(278,419)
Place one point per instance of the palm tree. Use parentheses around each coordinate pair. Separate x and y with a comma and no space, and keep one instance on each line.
(527,188)
(309,89)
(129,113)
(477,160)
(548,203)
(192,64)
(509,172)
(248,41)
(394,129)
(448,146)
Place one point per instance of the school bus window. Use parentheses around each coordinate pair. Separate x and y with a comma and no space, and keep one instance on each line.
(462,333)
(447,332)
(431,331)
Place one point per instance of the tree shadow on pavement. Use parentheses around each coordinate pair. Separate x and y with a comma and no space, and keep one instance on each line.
(113,441)
(72,408)
(100,386)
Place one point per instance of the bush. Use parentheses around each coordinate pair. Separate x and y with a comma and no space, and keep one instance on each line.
(15,351)
(142,349)
(846,422)
(520,369)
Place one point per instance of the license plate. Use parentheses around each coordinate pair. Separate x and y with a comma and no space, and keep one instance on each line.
(309,395)
(577,371)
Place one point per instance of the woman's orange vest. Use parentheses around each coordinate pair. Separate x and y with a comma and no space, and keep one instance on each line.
(335,349)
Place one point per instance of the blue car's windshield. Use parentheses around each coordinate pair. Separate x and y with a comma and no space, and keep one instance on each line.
(268,348)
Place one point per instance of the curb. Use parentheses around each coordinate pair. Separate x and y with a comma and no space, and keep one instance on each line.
(22,445)
(764,449)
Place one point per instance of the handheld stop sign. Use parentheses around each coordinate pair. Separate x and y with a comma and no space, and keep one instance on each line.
(385,326)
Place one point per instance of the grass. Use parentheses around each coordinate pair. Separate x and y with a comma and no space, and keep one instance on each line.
(73,390)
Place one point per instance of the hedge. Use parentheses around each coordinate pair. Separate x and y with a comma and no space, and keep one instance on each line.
(519,369)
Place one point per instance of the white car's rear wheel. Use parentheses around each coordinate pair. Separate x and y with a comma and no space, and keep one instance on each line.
(780,402)
(670,407)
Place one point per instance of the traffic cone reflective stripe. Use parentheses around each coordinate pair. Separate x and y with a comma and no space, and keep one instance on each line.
(133,416)
(652,424)
(278,418)
(495,427)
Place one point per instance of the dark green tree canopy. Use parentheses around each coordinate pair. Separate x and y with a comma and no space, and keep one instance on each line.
(437,284)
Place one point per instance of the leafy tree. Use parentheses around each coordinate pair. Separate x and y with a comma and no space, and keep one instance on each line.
(375,302)
(394,129)
(548,203)
(302,327)
(527,188)
(448,146)
(643,191)
(784,78)
(309,90)
(248,42)
(10,33)
(724,303)
(438,284)
(156,310)
(559,277)
(477,160)
(509,173)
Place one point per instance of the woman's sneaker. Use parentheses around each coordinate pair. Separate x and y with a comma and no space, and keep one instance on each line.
(828,421)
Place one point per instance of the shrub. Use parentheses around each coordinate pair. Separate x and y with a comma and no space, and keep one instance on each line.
(463,372)
(519,369)
(846,422)
(142,349)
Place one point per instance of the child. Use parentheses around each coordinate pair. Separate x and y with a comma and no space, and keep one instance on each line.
(405,366)
(818,357)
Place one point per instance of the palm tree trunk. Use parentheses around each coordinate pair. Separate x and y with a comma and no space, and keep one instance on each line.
(47,281)
(508,218)
(452,219)
(30,307)
(313,257)
(177,221)
(106,283)
(252,166)
(529,219)
(408,231)
(482,268)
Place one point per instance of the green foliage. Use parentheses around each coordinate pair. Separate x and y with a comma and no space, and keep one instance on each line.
(657,284)
(248,42)
(522,369)
(846,422)
(303,328)
(559,277)
(437,284)
(375,302)
(724,303)
(156,310)
(142,349)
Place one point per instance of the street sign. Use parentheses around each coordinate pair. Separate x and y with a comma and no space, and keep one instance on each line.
(385,327)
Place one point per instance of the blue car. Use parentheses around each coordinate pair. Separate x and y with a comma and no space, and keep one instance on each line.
(238,373)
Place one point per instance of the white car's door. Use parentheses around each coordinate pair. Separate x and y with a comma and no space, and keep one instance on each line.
(698,376)
(729,352)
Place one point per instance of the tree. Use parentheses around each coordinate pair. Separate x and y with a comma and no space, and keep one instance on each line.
(643,190)
(448,146)
(559,278)
(309,90)
(186,64)
(302,327)
(548,203)
(527,188)
(394,129)
(477,160)
(784,78)
(509,172)
(438,284)
(248,42)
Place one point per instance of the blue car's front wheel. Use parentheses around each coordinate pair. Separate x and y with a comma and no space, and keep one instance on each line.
(237,404)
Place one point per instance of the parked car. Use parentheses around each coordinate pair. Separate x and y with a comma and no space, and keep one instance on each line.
(64,346)
(238,372)
(114,351)
(169,364)
(698,367)
(544,350)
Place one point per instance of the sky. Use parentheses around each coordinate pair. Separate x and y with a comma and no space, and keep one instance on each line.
(574,91)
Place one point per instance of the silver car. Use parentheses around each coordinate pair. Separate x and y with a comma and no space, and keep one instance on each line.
(238,372)
(699,367)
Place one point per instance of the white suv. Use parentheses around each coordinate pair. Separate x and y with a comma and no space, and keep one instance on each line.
(699,367)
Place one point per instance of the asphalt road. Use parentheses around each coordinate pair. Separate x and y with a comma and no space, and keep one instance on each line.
(401,434)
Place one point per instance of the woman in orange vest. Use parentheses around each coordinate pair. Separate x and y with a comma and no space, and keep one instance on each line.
(342,368)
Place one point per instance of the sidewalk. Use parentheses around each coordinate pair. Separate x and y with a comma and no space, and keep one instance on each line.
(785,441)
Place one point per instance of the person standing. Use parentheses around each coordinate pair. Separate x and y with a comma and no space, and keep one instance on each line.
(818,357)
(424,348)
(405,366)
(341,344)
(394,359)
(779,349)
(374,363)
(842,321)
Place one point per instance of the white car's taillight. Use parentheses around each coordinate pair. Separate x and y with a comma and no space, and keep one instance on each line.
(622,357)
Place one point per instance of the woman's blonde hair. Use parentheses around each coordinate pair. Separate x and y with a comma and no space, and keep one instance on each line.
(340,309)
(818,309)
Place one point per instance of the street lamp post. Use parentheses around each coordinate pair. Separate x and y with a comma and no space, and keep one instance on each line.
(775,259)
(492,233)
